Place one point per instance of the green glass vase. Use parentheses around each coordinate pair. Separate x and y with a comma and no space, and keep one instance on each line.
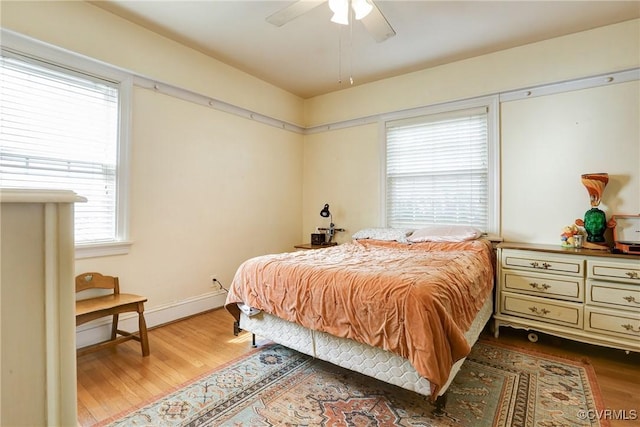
(595,223)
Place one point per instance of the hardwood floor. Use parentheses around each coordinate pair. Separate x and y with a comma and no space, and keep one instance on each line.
(114,380)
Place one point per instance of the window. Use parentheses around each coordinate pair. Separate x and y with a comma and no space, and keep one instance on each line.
(441,169)
(60,128)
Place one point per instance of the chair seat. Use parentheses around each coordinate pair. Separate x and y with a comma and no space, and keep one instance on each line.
(114,304)
(107,302)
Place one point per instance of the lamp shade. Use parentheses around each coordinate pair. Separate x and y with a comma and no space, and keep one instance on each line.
(325,213)
(595,184)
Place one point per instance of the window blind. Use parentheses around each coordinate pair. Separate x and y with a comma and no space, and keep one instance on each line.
(59,130)
(437,170)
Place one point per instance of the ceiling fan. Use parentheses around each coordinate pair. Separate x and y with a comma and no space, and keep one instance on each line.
(364,10)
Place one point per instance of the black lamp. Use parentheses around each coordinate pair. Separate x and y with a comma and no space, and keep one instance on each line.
(326,213)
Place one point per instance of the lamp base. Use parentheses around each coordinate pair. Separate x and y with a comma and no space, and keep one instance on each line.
(595,246)
(595,223)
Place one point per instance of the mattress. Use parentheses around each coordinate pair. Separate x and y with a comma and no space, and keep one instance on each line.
(372,361)
(414,300)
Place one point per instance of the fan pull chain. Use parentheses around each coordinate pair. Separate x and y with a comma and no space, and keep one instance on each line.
(340,56)
(350,47)
(351,19)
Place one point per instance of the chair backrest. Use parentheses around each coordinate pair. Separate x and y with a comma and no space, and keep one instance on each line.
(94,280)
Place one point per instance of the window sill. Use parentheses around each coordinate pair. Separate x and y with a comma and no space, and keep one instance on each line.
(102,249)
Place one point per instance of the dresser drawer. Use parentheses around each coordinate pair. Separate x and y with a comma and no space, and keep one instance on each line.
(613,295)
(618,271)
(535,261)
(618,323)
(544,310)
(550,286)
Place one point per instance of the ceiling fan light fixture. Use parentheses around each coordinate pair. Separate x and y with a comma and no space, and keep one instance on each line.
(340,9)
(361,8)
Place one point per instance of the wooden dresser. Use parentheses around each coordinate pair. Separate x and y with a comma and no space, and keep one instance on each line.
(585,295)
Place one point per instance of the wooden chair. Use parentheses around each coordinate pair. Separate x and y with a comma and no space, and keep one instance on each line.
(109,305)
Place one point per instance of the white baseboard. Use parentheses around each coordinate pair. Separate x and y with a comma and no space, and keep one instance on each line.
(100,330)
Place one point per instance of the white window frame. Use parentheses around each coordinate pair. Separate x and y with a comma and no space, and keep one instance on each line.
(491,103)
(24,46)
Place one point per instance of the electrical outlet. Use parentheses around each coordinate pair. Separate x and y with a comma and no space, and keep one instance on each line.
(215,282)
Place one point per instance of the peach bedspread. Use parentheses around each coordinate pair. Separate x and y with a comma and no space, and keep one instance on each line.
(416,300)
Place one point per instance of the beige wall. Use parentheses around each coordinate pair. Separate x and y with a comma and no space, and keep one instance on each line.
(206,194)
(548,142)
(559,136)
(342,168)
(209,189)
(603,50)
(86,29)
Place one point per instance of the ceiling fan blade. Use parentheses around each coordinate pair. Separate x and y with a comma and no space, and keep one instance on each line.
(377,25)
(292,11)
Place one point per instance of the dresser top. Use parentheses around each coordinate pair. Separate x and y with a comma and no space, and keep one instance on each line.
(557,249)
(27,195)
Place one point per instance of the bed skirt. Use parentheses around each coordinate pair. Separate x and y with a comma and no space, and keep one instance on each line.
(372,361)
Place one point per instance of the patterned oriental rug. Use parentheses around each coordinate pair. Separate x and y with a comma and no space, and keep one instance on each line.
(275,386)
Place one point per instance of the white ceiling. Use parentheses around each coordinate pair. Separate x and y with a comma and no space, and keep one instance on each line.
(310,55)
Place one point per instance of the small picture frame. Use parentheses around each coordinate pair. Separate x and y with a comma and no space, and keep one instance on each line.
(318,238)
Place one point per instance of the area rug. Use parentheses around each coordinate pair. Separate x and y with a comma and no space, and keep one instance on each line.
(498,386)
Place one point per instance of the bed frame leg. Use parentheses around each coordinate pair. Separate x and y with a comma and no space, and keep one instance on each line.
(237,329)
(441,402)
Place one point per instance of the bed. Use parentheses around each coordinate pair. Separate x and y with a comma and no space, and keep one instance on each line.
(403,312)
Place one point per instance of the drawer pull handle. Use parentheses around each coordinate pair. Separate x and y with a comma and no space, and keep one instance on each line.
(543,286)
(541,312)
(631,299)
(545,265)
(629,327)
(632,274)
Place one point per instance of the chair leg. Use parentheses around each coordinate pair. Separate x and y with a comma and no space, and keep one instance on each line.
(144,339)
(114,327)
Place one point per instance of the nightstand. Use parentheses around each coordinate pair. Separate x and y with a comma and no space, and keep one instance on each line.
(307,246)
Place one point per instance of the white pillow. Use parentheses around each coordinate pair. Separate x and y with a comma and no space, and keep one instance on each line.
(445,233)
(388,234)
